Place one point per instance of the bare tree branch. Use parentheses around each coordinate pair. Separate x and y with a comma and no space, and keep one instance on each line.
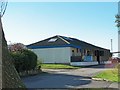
(3,6)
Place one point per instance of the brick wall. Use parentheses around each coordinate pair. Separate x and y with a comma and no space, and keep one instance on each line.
(9,78)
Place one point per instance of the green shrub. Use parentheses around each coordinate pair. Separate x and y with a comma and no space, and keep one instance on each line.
(24,60)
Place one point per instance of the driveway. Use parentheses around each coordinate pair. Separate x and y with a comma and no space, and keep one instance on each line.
(68,78)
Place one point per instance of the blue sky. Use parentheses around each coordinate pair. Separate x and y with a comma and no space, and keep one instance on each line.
(93,22)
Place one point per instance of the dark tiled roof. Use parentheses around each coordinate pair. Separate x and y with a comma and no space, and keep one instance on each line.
(83,44)
(62,40)
(46,42)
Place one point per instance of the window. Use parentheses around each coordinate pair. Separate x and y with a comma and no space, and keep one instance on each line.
(101,53)
(97,52)
(80,50)
(77,50)
(52,40)
(88,53)
(73,54)
(84,51)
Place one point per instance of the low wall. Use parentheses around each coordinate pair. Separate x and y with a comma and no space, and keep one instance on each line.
(88,63)
(107,62)
(30,73)
(83,63)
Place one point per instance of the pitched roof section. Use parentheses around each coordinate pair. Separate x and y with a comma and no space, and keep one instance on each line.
(63,41)
(52,41)
(81,43)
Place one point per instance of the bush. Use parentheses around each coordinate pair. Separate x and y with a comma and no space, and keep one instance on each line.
(24,60)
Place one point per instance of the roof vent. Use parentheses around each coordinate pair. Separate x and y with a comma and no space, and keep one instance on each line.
(52,40)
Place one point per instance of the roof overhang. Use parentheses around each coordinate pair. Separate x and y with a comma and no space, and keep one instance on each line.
(55,46)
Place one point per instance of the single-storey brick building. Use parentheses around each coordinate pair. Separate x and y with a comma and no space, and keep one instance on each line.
(61,49)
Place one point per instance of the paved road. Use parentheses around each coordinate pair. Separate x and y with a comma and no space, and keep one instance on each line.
(64,78)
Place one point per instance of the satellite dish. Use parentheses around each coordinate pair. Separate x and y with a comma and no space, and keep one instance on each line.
(3,6)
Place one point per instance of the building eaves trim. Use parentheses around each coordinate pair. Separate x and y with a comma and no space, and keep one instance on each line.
(57,46)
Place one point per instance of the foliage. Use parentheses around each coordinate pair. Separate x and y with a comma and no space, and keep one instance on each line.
(110,75)
(39,63)
(117,66)
(57,66)
(16,47)
(24,60)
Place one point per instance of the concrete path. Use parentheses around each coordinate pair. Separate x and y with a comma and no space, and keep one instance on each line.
(68,78)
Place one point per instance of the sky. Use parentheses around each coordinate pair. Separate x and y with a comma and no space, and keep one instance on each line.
(93,22)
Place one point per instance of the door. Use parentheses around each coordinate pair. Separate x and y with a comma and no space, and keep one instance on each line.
(97,54)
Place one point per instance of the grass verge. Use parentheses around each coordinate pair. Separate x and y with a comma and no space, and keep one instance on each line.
(57,66)
(110,75)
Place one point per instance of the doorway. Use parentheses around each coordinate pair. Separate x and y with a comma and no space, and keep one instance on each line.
(97,54)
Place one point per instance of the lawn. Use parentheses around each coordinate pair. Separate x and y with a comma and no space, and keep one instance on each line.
(57,66)
(110,75)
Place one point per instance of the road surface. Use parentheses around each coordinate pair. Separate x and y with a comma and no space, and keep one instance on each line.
(68,78)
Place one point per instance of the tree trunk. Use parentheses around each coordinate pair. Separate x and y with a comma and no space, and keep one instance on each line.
(9,77)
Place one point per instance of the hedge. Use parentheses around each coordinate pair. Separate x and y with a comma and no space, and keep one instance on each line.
(24,60)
